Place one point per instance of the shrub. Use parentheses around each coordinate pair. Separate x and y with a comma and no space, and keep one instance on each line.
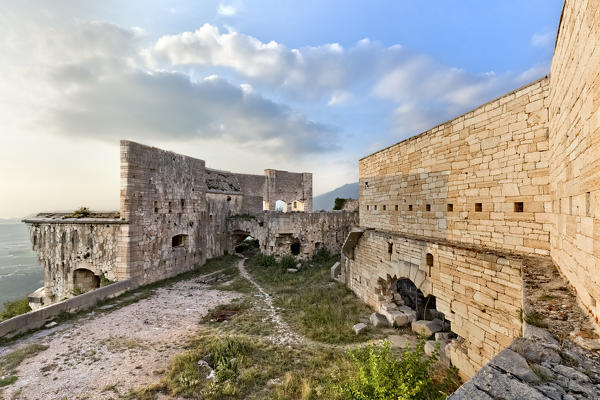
(82,212)
(321,255)
(381,376)
(265,261)
(338,203)
(288,261)
(14,308)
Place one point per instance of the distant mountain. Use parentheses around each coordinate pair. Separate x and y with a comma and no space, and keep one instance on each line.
(325,200)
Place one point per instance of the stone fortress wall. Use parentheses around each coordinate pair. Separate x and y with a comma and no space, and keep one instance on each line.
(462,208)
(575,150)
(174,214)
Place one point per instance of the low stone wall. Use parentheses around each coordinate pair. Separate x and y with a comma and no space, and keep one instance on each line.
(278,232)
(38,318)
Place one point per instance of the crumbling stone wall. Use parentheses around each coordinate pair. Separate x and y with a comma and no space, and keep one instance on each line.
(220,206)
(163,197)
(465,179)
(575,150)
(276,232)
(64,245)
(295,189)
(479,292)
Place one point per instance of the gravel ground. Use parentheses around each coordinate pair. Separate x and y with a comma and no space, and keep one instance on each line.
(105,354)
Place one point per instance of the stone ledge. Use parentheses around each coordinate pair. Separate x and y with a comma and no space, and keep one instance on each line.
(36,319)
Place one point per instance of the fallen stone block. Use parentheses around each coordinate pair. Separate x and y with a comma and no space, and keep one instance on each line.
(515,364)
(292,270)
(335,270)
(378,320)
(427,328)
(397,318)
(359,328)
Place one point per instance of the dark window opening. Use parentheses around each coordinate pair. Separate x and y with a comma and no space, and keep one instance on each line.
(450,207)
(170,208)
(384,207)
(179,240)
(375,207)
(295,248)
(478,207)
(518,206)
(429,259)
(156,206)
(396,207)
(367,207)
(410,207)
(228,198)
(182,204)
(427,207)
(588,208)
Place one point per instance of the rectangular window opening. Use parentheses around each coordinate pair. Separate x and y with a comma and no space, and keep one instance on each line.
(518,206)
(375,207)
(179,240)
(384,207)
(588,205)
(396,207)
(450,207)
(427,207)
(478,207)
(410,207)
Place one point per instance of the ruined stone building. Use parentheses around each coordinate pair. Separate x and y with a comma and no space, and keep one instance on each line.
(174,214)
(459,210)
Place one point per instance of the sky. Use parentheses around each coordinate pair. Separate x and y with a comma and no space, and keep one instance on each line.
(245,85)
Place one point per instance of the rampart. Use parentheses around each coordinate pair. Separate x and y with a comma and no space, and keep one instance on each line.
(575,150)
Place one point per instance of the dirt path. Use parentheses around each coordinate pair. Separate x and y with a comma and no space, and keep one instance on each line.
(104,355)
(284,334)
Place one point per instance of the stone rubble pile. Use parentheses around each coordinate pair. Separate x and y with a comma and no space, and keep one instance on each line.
(536,367)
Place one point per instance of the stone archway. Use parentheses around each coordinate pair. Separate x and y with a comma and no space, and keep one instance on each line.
(85,280)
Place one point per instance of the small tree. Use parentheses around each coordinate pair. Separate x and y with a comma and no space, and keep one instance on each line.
(339,203)
(382,377)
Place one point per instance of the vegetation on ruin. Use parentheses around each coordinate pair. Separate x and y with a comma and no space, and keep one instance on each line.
(310,303)
(104,281)
(85,212)
(14,308)
(382,376)
(338,203)
(535,318)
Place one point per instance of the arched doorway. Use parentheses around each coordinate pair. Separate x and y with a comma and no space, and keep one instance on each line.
(411,296)
(280,206)
(84,280)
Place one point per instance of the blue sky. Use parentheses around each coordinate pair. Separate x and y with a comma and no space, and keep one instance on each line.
(303,86)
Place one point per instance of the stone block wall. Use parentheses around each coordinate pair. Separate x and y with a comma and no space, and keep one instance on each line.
(66,245)
(163,197)
(481,178)
(276,232)
(575,150)
(479,292)
(288,187)
(220,206)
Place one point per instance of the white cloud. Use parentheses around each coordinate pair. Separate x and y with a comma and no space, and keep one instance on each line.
(226,10)
(542,39)
(339,98)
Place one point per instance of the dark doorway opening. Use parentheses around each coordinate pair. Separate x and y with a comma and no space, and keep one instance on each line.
(295,248)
